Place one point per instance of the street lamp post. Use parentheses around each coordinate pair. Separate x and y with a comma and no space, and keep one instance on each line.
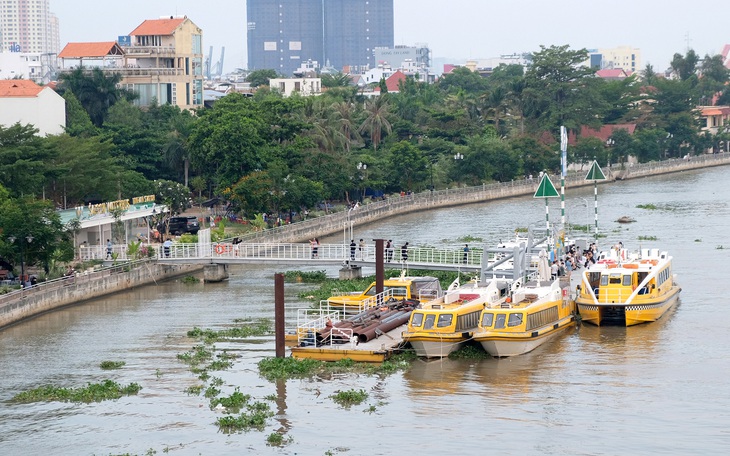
(609,143)
(458,156)
(362,167)
(21,243)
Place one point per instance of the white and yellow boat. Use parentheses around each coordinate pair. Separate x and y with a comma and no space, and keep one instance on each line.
(421,288)
(441,326)
(626,289)
(532,315)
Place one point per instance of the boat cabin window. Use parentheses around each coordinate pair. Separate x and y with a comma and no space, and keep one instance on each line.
(444,320)
(615,279)
(487,320)
(515,319)
(604,280)
(417,319)
(627,280)
(499,324)
(429,321)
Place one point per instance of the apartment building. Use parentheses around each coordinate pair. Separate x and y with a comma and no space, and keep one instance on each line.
(161,60)
(283,34)
(28,26)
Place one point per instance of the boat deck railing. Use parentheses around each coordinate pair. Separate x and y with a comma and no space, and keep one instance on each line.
(365,304)
(311,321)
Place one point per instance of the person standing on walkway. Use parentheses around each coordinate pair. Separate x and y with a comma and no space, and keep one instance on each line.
(109,249)
(466,253)
(166,247)
(389,251)
(404,252)
(361,248)
(353,247)
(315,247)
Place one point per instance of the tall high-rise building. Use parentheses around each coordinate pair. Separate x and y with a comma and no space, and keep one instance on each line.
(353,29)
(28,26)
(284,34)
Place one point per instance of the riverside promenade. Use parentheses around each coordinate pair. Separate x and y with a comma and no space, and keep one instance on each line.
(418,202)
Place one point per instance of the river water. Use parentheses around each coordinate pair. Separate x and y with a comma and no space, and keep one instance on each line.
(655,389)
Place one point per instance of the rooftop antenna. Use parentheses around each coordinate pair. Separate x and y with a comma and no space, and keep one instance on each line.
(687,40)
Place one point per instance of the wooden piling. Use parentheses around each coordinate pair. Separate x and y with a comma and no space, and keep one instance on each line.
(279,315)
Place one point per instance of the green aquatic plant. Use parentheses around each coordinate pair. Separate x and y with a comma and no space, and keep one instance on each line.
(109,365)
(190,279)
(232,403)
(254,417)
(469,351)
(648,238)
(647,206)
(469,238)
(257,328)
(194,390)
(350,397)
(305,276)
(276,439)
(93,392)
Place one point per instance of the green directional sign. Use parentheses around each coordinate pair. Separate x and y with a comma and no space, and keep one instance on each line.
(546,189)
(595,173)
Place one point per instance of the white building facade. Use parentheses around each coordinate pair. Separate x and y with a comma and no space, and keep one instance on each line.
(26,102)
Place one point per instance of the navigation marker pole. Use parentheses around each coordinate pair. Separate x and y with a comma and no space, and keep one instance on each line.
(546,190)
(563,171)
(595,174)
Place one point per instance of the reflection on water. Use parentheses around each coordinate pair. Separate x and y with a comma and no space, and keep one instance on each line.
(650,389)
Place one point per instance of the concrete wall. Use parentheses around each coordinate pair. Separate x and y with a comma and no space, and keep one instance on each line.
(45,297)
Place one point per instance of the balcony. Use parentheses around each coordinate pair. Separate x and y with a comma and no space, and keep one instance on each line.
(150,51)
(132,71)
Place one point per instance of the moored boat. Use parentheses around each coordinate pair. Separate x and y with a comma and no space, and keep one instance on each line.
(421,288)
(627,288)
(441,326)
(529,317)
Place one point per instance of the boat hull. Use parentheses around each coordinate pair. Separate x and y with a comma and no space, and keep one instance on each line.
(502,345)
(635,313)
(435,346)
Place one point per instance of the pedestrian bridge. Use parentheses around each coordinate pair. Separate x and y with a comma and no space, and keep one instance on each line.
(291,254)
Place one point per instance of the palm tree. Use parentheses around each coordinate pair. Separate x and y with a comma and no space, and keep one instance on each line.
(377,110)
(344,115)
(97,92)
(175,148)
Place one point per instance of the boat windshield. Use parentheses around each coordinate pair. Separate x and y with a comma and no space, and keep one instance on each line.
(515,319)
(429,321)
(417,319)
(444,320)
(487,320)
(499,324)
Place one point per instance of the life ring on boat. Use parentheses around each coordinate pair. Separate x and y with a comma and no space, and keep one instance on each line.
(220,249)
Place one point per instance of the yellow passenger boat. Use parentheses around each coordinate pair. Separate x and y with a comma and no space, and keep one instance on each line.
(442,325)
(532,315)
(421,288)
(627,288)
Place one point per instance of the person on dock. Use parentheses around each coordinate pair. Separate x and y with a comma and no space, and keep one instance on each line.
(109,249)
(466,254)
(361,248)
(166,247)
(315,247)
(404,252)
(353,247)
(389,251)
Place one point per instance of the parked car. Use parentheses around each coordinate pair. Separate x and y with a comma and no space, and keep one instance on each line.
(181,225)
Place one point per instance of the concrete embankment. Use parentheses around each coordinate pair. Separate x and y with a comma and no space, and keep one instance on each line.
(398,205)
(52,295)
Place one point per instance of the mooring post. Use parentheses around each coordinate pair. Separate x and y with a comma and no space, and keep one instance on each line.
(279,315)
(379,266)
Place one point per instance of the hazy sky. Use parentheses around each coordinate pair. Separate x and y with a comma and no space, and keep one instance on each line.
(453,29)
